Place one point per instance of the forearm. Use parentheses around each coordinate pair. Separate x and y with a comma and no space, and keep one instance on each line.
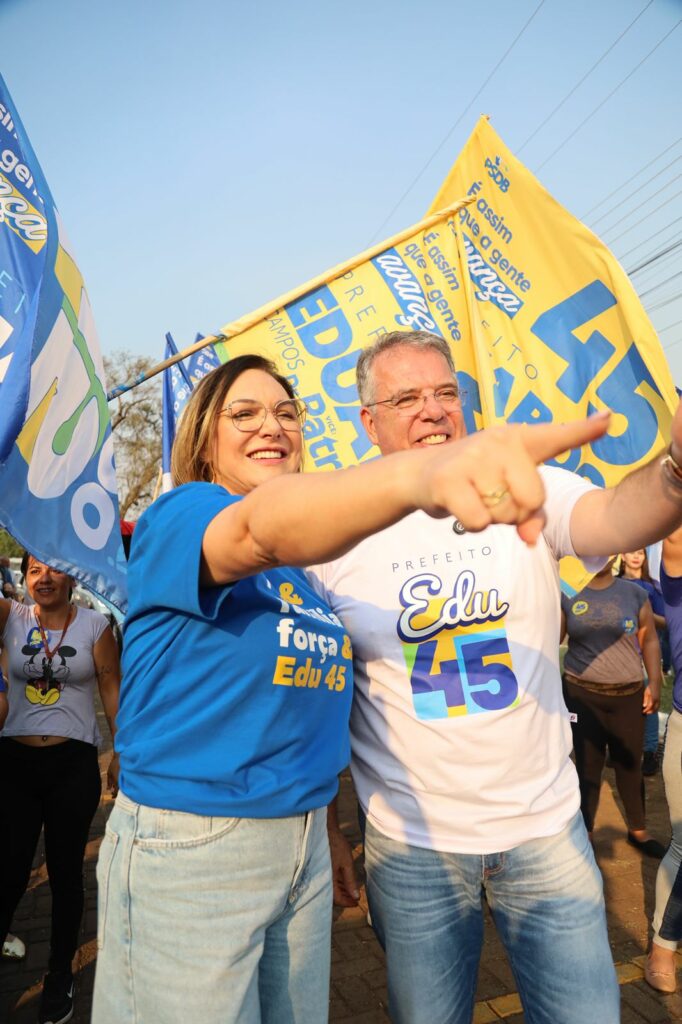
(303,519)
(109,695)
(651,656)
(644,507)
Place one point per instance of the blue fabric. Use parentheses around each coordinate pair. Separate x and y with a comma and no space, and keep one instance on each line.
(671,588)
(655,598)
(547,903)
(235,699)
(253,899)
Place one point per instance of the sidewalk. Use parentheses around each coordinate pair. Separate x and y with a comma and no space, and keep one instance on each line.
(358,994)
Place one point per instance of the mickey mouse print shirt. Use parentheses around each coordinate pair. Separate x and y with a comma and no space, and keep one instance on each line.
(54,697)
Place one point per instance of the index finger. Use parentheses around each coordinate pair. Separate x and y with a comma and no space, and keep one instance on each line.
(546,440)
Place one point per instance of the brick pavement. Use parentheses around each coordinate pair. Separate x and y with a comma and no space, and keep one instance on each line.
(358,992)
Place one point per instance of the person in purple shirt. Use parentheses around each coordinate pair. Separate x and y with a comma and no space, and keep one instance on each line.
(667,923)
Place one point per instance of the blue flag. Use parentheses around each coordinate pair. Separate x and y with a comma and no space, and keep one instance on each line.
(178,383)
(58,493)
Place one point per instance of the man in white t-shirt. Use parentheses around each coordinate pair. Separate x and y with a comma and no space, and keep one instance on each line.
(460,735)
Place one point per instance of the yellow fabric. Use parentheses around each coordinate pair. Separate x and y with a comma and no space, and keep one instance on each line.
(541,318)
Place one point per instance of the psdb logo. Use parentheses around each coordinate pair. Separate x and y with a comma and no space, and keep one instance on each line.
(496,171)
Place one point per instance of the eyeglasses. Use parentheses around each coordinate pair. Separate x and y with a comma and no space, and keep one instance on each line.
(410,403)
(249,415)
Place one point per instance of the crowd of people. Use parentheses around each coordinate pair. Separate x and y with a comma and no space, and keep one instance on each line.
(404,616)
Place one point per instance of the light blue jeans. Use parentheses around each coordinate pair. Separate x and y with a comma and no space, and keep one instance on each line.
(547,902)
(667,921)
(212,920)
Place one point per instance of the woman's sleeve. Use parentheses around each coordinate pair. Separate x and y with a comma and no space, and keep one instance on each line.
(165,555)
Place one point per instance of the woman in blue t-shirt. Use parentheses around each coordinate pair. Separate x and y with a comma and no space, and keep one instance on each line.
(214,873)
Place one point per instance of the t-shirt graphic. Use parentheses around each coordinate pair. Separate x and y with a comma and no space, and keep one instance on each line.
(455,647)
(46,676)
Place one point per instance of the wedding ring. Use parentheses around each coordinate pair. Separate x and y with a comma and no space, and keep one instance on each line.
(493,498)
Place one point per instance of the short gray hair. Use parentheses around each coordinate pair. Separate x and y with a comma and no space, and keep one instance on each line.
(408,339)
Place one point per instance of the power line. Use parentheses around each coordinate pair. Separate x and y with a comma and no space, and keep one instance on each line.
(652,258)
(660,284)
(646,217)
(612,93)
(638,206)
(585,76)
(638,189)
(645,240)
(450,132)
(665,302)
(669,327)
(632,178)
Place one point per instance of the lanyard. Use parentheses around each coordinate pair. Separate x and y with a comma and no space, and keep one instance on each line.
(43,636)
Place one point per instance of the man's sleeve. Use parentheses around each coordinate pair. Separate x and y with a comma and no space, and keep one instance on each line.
(562,491)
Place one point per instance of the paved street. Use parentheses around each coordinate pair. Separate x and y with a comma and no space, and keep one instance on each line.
(358,993)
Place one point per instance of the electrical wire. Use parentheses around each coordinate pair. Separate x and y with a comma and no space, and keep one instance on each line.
(669,327)
(645,240)
(638,189)
(450,132)
(638,206)
(607,98)
(660,284)
(631,178)
(653,257)
(665,302)
(585,76)
(646,217)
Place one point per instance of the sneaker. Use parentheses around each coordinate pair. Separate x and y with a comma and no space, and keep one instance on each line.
(13,948)
(649,762)
(56,1001)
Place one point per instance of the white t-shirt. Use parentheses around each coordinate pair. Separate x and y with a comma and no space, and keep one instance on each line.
(460,736)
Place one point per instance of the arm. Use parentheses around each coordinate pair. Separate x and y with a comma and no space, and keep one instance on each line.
(301,519)
(4,613)
(343,871)
(4,708)
(108,672)
(642,508)
(659,621)
(651,656)
(562,632)
(672,554)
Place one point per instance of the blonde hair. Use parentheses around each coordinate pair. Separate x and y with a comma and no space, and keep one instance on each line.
(192,455)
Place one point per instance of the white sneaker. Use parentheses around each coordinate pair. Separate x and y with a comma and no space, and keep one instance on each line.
(13,948)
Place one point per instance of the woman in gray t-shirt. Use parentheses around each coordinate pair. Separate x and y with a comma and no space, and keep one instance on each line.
(610,629)
(58,655)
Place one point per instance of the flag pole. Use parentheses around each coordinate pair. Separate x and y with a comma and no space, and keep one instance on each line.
(237,327)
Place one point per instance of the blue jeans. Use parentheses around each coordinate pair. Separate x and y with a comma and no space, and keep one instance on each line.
(667,923)
(212,920)
(547,903)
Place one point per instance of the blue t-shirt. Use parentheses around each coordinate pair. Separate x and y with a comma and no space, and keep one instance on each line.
(235,699)
(655,598)
(671,588)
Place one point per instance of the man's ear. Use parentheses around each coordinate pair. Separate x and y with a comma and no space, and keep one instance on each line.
(368,424)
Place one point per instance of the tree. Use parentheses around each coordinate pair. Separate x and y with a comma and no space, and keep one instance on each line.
(136,422)
(8,545)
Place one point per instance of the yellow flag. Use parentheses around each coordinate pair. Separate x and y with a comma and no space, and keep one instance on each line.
(315,334)
(541,318)
(557,327)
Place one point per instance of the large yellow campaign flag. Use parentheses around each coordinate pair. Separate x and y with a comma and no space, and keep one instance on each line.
(542,320)
(556,326)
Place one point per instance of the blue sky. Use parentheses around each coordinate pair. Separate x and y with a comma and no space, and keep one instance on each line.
(209,156)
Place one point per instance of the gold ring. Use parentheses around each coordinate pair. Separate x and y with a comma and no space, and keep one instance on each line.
(493,498)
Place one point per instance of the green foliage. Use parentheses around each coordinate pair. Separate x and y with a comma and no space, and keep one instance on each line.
(8,545)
